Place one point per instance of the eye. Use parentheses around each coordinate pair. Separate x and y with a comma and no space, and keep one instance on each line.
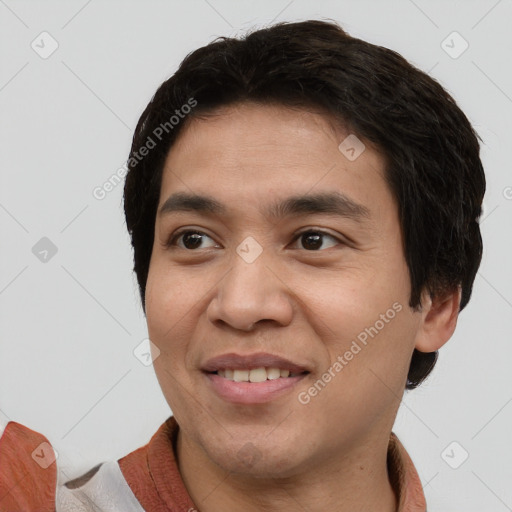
(313,239)
(190,239)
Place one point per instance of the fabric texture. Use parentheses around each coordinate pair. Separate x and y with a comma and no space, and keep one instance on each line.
(152,473)
(103,490)
(28,472)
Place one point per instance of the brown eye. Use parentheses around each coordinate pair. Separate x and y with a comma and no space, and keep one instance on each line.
(190,239)
(312,240)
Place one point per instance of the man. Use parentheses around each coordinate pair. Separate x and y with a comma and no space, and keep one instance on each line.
(303,208)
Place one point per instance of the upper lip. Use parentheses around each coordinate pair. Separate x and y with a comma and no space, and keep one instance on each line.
(232,361)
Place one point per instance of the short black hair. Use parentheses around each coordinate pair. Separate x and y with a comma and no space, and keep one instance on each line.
(433,166)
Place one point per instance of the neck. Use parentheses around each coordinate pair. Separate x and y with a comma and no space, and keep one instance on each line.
(358,481)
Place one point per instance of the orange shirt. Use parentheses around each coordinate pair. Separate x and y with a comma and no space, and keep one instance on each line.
(28,473)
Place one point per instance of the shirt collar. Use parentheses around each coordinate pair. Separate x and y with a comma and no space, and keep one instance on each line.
(404,478)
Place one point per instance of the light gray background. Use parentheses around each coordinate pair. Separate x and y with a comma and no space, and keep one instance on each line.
(69,325)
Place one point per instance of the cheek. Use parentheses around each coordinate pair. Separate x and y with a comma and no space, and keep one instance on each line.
(168,306)
(365,377)
(350,300)
(169,297)
(365,323)
(383,350)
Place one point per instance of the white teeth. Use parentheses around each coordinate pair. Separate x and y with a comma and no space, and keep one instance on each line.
(241,375)
(256,374)
(273,373)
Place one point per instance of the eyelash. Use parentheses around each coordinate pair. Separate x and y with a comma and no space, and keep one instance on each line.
(179,233)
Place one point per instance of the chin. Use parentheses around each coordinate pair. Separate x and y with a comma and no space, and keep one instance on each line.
(256,459)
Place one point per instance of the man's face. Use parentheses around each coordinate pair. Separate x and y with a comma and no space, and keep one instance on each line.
(296,289)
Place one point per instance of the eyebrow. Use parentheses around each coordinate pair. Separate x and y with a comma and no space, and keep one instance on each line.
(333,203)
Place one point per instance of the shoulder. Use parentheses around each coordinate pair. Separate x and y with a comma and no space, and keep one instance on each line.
(127,484)
(145,479)
(28,473)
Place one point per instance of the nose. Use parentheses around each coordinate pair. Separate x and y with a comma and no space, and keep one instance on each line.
(251,293)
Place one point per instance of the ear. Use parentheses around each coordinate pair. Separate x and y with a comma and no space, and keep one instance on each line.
(439,319)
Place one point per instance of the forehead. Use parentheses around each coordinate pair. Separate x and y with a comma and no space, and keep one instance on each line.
(254,154)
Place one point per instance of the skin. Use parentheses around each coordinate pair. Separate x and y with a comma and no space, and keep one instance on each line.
(305,305)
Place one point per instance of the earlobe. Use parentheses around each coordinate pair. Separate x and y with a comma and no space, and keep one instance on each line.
(439,319)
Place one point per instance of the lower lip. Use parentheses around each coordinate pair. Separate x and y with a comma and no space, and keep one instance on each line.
(252,392)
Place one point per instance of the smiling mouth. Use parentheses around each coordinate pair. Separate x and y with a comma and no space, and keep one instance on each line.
(256,374)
